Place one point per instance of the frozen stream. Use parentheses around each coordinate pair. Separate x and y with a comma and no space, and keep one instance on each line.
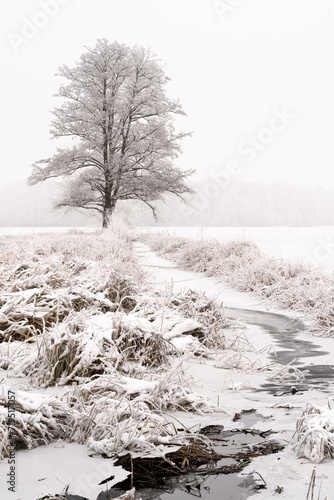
(281,402)
(291,348)
(291,345)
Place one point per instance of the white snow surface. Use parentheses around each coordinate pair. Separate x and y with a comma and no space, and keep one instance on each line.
(49,469)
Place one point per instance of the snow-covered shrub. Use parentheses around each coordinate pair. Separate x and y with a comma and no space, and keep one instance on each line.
(169,390)
(120,413)
(110,426)
(140,343)
(209,316)
(59,274)
(315,432)
(197,305)
(86,344)
(32,420)
(72,350)
(200,255)
(30,312)
(121,290)
(164,242)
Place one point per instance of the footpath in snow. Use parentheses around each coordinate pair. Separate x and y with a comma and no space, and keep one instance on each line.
(241,382)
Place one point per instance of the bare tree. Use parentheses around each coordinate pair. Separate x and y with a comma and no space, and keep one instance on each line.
(117,110)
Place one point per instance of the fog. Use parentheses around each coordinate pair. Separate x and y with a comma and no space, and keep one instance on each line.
(255,78)
(234,204)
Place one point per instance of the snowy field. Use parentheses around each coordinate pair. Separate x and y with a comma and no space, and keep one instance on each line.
(116,363)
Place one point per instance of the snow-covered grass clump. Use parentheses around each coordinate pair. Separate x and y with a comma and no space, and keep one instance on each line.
(243,266)
(208,320)
(127,376)
(46,277)
(110,413)
(32,420)
(120,413)
(84,345)
(315,432)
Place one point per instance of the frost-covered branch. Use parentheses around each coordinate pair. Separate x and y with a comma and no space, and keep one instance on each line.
(116,107)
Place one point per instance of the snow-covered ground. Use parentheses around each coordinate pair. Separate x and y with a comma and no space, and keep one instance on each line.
(49,469)
(232,379)
(237,388)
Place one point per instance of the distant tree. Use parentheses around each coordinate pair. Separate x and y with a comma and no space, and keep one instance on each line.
(117,109)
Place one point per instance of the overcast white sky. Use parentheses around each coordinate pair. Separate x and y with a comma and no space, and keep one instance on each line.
(236,65)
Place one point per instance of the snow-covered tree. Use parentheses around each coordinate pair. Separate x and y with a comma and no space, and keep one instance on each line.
(116,108)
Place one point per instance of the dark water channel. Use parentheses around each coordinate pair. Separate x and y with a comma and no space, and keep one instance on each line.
(285,333)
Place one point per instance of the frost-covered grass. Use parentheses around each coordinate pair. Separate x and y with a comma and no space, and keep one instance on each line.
(75,312)
(102,358)
(315,432)
(34,420)
(207,318)
(45,277)
(120,413)
(85,345)
(242,265)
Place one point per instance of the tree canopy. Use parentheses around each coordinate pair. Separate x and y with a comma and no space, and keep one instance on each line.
(125,144)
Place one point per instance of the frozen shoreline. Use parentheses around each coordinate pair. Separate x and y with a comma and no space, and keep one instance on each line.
(236,389)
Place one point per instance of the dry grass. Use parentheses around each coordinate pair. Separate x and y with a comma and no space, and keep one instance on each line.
(121,413)
(80,319)
(77,306)
(242,265)
(68,353)
(315,432)
(85,344)
(210,316)
(34,420)
(59,274)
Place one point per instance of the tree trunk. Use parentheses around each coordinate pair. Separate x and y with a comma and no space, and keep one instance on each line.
(107,214)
